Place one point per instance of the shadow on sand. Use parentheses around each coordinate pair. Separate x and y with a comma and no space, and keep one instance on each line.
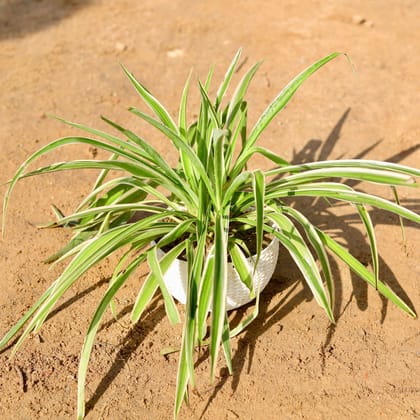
(21,17)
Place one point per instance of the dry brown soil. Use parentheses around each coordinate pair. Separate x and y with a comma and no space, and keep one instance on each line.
(62,57)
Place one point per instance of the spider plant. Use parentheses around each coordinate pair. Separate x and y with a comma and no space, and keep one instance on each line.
(199,211)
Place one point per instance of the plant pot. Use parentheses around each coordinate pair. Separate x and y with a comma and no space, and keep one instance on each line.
(176,277)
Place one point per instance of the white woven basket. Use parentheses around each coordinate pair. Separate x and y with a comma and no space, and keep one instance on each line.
(176,277)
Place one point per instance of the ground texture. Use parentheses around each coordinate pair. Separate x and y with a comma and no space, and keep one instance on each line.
(62,57)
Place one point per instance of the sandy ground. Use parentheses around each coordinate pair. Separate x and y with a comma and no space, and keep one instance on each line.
(62,57)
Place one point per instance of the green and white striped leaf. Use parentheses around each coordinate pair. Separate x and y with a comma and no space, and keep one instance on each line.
(155,269)
(341,193)
(357,267)
(370,230)
(226,81)
(284,97)
(152,102)
(239,94)
(205,295)
(242,267)
(219,291)
(317,244)
(151,283)
(258,187)
(289,236)
(347,163)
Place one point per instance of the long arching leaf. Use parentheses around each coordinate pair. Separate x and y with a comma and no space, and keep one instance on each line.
(152,102)
(357,267)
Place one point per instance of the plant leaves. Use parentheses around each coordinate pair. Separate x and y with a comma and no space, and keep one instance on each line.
(291,239)
(152,102)
(284,97)
(151,283)
(219,291)
(258,187)
(170,307)
(226,81)
(357,267)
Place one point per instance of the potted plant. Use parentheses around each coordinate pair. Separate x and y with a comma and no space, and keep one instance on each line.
(209,219)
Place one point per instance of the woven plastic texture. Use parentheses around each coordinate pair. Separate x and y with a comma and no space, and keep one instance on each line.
(176,277)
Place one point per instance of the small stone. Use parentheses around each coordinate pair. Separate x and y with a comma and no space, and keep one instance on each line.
(177,52)
(120,47)
(358,20)
(93,151)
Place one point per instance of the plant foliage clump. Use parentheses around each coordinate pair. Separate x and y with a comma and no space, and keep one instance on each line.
(201,208)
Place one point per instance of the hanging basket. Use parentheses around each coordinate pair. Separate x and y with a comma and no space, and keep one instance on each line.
(176,277)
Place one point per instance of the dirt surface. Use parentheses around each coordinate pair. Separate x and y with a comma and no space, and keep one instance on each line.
(62,57)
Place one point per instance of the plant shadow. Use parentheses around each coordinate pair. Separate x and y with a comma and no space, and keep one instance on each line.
(128,345)
(21,17)
(64,305)
(347,227)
